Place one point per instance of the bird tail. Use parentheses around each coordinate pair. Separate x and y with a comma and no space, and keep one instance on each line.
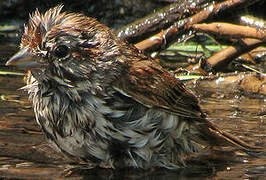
(217,137)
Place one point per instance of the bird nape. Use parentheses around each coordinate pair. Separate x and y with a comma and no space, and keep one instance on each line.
(99,99)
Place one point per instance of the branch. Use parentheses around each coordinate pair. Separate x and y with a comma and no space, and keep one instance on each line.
(225,56)
(231,30)
(166,37)
(160,19)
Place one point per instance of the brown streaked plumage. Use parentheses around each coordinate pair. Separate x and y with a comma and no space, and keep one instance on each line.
(99,99)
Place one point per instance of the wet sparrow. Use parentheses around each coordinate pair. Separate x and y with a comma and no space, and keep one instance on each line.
(101,100)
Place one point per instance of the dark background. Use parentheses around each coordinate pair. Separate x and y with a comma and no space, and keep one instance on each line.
(113,13)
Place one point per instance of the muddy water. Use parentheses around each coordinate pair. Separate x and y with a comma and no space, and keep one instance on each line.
(24,152)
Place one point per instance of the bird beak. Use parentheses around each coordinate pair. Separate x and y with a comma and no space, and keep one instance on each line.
(24,59)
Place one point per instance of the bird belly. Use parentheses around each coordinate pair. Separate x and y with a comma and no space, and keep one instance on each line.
(85,131)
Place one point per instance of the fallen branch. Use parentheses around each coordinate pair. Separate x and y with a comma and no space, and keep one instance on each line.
(162,18)
(225,56)
(164,39)
(232,30)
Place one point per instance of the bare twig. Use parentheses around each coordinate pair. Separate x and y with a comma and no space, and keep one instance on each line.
(166,37)
(225,56)
(162,18)
(231,30)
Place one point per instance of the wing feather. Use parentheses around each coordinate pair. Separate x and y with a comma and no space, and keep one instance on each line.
(152,86)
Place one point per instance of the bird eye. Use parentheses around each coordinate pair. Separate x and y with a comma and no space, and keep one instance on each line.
(61,51)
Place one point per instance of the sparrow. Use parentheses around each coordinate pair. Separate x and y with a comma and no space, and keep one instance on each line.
(100,100)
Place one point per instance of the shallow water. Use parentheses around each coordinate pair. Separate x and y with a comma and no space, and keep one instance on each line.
(24,152)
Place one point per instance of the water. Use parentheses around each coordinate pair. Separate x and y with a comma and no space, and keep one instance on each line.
(24,152)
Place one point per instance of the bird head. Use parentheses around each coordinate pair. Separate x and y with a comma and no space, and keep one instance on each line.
(66,45)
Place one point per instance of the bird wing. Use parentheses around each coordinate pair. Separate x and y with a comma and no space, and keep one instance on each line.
(152,86)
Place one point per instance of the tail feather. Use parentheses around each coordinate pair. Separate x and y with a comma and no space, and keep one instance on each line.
(220,137)
(232,139)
